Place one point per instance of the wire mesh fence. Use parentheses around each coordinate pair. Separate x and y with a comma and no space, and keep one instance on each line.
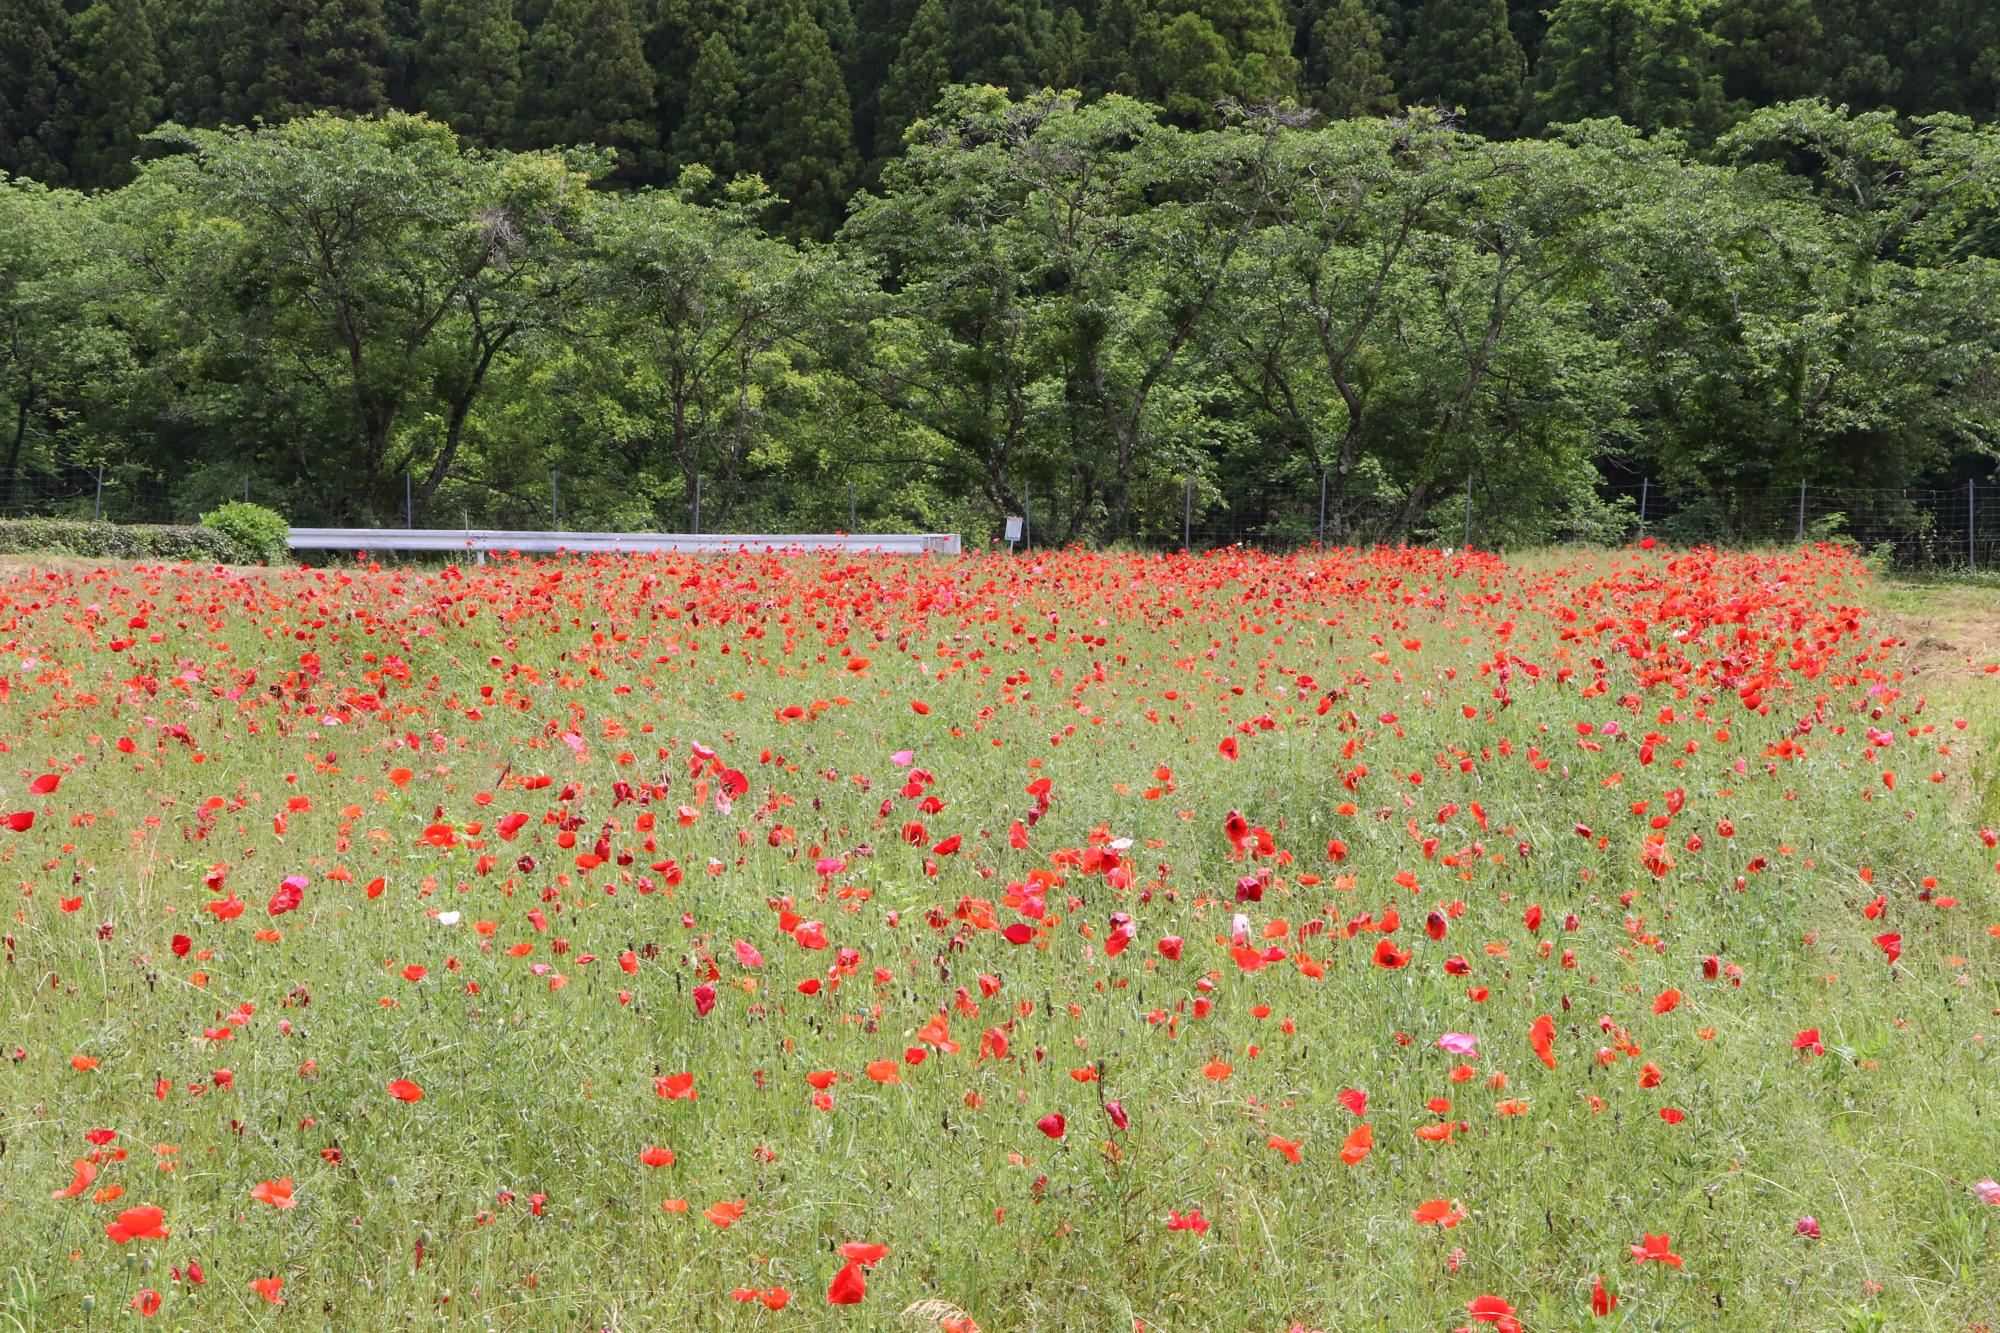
(1917,527)
(1939,527)
(537,501)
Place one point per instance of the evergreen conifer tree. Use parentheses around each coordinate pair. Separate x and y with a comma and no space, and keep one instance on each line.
(469,67)
(1528,20)
(235,61)
(1192,73)
(999,42)
(711,122)
(837,20)
(1860,56)
(310,55)
(1124,46)
(922,67)
(585,80)
(1461,53)
(879,27)
(111,92)
(404,22)
(1767,49)
(801,131)
(1258,65)
(674,33)
(33,34)
(190,71)
(1066,54)
(1952,58)
(1348,75)
(1645,61)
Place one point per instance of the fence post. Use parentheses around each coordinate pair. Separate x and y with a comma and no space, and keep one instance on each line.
(1468,512)
(1645,488)
(1971,525)
(246,488)
(1187,514)
(555,512)
(697,504)
(1802,511)
(1027,519)
(1322,506)
(409,502)
(850,507)
(97,511)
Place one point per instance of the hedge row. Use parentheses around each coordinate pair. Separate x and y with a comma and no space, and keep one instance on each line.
(179,541)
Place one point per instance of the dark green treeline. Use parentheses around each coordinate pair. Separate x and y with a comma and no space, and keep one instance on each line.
(815,94)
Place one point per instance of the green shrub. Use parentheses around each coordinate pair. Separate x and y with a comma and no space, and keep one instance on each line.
(120,541)
(253,527)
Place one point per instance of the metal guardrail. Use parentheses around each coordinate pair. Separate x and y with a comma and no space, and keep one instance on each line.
(484,541)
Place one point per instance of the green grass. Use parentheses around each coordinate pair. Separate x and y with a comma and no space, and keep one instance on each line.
(424,1221)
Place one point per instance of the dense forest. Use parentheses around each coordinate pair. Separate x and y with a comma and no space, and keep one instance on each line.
(814,95)
(828,261)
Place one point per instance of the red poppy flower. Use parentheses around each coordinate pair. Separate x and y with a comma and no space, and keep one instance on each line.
(1656,1248)
(849,1285)
(142,1223)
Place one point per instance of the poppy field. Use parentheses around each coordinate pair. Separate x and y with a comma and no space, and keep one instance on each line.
(1392,940)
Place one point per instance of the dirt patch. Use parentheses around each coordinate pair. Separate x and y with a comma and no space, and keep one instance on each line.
(1951,635)
(1950,632)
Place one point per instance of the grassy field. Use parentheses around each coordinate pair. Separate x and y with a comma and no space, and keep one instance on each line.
(1394,941)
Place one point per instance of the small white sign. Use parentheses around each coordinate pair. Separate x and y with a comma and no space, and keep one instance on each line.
(1013,528)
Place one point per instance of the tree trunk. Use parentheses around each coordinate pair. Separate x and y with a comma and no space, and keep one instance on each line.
(8,482)
(1407,514)
(460,413)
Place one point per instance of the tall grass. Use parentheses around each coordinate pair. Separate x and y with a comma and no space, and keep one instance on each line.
(1453,759)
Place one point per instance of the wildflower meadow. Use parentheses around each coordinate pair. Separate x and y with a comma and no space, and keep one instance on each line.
(1366,940)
